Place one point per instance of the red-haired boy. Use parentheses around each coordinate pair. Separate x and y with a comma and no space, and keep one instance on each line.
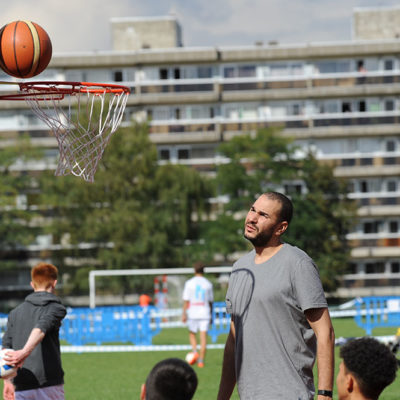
(33,332)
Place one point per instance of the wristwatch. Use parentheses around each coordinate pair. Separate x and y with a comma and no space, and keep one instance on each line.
(326,393)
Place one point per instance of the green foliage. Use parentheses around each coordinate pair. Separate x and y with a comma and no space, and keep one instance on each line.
(15,218)
(255,163)
(323,217)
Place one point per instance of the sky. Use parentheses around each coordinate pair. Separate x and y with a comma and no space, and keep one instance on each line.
(84,25)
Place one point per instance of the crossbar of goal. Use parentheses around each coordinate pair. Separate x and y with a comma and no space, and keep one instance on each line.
(138,272)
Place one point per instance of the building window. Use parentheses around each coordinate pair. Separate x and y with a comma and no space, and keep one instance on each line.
(364,186)
(388,65)
(183,154)
(163,73)
(390,145)
(229,72)
(389,105)
(351,187)
(291,189)
(362,106)
(371,227)
(375,268)
(346,107)
(395,267)
(177,73)
(348,162)
(392,186)
(351,268)
(204,72)
(366,161)
(164,154)
(390,161)
(118,76)
(360,66)
(393,226)
(247,71)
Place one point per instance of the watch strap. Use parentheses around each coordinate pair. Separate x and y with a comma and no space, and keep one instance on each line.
(327,393)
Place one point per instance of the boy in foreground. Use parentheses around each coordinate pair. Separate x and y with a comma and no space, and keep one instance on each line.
(33,332)
(368,366)
(170,379)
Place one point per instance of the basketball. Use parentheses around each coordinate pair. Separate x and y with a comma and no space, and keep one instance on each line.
(5,370)
(25,49)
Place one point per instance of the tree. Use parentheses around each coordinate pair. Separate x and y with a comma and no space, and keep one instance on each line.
(323,212)
(16,230)
(323,216)
(255,162)
(136,214)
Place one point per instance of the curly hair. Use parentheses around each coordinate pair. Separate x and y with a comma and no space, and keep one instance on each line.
(372,364)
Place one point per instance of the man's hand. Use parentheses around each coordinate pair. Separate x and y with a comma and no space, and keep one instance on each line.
(184,317)
(16,357)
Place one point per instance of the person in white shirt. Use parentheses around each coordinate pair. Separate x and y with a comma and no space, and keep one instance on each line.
(197,311)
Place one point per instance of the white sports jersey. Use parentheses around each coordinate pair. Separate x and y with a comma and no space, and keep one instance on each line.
(199,292)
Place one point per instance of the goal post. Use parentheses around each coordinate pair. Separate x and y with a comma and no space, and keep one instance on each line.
(143,272)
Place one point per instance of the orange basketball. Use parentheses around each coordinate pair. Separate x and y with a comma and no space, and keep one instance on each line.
(25,49)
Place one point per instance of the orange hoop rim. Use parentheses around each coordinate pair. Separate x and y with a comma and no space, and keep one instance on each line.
(47,88)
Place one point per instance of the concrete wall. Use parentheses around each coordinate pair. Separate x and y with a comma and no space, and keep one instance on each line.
(376,23)
(143,33)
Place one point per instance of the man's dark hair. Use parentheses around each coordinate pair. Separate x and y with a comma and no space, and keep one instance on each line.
(372,364)
(199,267)
(286,212)
(171,379)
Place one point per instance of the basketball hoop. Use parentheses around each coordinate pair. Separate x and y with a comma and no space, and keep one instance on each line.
(82,129)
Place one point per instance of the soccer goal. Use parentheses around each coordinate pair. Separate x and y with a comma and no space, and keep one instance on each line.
(221,273)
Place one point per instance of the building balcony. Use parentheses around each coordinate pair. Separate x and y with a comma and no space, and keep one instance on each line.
(352,84)
(380,284)
(286,122)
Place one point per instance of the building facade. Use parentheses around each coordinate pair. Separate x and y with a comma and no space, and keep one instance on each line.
(340,99)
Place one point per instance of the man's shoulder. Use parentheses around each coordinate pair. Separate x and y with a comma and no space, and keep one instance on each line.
(296,252)
(244,259)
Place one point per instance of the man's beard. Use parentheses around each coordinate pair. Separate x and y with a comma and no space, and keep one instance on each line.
(261,239)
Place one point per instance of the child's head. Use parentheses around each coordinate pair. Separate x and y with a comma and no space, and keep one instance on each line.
(199,267)
(44,276)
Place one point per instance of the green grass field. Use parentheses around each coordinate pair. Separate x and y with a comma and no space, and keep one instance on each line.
(110,376)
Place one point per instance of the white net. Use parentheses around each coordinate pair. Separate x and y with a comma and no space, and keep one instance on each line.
(83,121)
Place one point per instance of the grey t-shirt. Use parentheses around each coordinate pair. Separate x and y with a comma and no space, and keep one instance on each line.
(275,346)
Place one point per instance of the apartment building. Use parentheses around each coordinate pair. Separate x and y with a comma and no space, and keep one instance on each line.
(342,99)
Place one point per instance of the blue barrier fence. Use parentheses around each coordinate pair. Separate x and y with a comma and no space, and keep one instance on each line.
(373,312)
(221,321)
(122,324)
(126,324)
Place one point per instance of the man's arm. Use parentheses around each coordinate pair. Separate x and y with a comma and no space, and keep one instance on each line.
(18,357)
(8,390)
(228,375)
(320,322)
(184,310)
